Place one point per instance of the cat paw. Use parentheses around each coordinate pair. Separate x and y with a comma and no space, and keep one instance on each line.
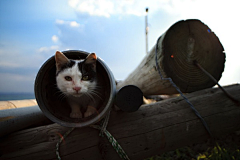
(76,115)
(90,111)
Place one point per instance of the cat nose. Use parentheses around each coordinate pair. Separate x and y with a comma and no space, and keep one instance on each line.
(77,88)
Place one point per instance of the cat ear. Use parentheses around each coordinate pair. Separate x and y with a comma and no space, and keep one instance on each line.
(61,59)
(91,59)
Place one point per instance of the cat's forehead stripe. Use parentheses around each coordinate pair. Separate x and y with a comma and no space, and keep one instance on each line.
(78,61)
(75,70)
(67,65)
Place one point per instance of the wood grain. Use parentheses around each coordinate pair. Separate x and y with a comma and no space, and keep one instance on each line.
(184,42)
(154,129)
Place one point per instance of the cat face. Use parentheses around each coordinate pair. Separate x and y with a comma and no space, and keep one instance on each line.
(75,77)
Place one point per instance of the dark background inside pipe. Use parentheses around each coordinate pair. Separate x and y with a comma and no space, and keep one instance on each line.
(52,102)
(129,98)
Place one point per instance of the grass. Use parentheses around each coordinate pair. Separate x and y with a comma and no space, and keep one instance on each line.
(219,153)
(216,153)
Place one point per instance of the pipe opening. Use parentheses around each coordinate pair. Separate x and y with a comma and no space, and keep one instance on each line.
(54,104)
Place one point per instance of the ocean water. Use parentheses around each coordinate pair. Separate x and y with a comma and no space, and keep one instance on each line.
(16,96)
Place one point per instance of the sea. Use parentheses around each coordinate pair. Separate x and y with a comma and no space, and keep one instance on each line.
(16,96)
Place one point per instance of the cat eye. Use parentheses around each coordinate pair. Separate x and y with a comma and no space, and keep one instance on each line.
(68,78)
(85,78)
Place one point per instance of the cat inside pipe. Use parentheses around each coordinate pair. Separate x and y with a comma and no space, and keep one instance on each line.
(78,82)
(77,89)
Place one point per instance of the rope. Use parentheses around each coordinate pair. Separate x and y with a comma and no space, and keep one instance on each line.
(60,141)
(175,86)
(110,138)
(215,81)
(113,141)
(103,131)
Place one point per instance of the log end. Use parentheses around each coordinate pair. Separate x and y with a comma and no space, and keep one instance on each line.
(186,42)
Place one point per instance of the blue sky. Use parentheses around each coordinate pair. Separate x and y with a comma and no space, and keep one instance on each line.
(31,32)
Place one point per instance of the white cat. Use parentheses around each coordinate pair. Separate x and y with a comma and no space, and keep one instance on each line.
(77,79)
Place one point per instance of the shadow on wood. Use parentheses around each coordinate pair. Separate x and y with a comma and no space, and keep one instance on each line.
(152,130)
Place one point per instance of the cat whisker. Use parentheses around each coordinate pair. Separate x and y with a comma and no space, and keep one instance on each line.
(90,96)
(96,87)
(57,90)
(96,94)
(62,96)
(67,81)
(80,95)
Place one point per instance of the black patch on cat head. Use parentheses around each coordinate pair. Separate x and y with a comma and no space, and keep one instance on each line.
(65,66)
(87,70)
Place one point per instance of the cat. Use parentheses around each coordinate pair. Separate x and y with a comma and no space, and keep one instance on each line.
(77,80)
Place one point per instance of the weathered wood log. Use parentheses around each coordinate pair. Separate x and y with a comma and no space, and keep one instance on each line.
(12,120)
(153,129)
(183,43)
(17,104)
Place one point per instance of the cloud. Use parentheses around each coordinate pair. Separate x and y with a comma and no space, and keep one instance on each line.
(93,8)
(59,21)
(55,38)
(67,31)
(68,27)
(48,49)
(107,8)
(219,15)
(72,24)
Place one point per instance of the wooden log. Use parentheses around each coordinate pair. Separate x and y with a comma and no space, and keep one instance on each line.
(153,129)
(12,120)
(183,43)
(17,104)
